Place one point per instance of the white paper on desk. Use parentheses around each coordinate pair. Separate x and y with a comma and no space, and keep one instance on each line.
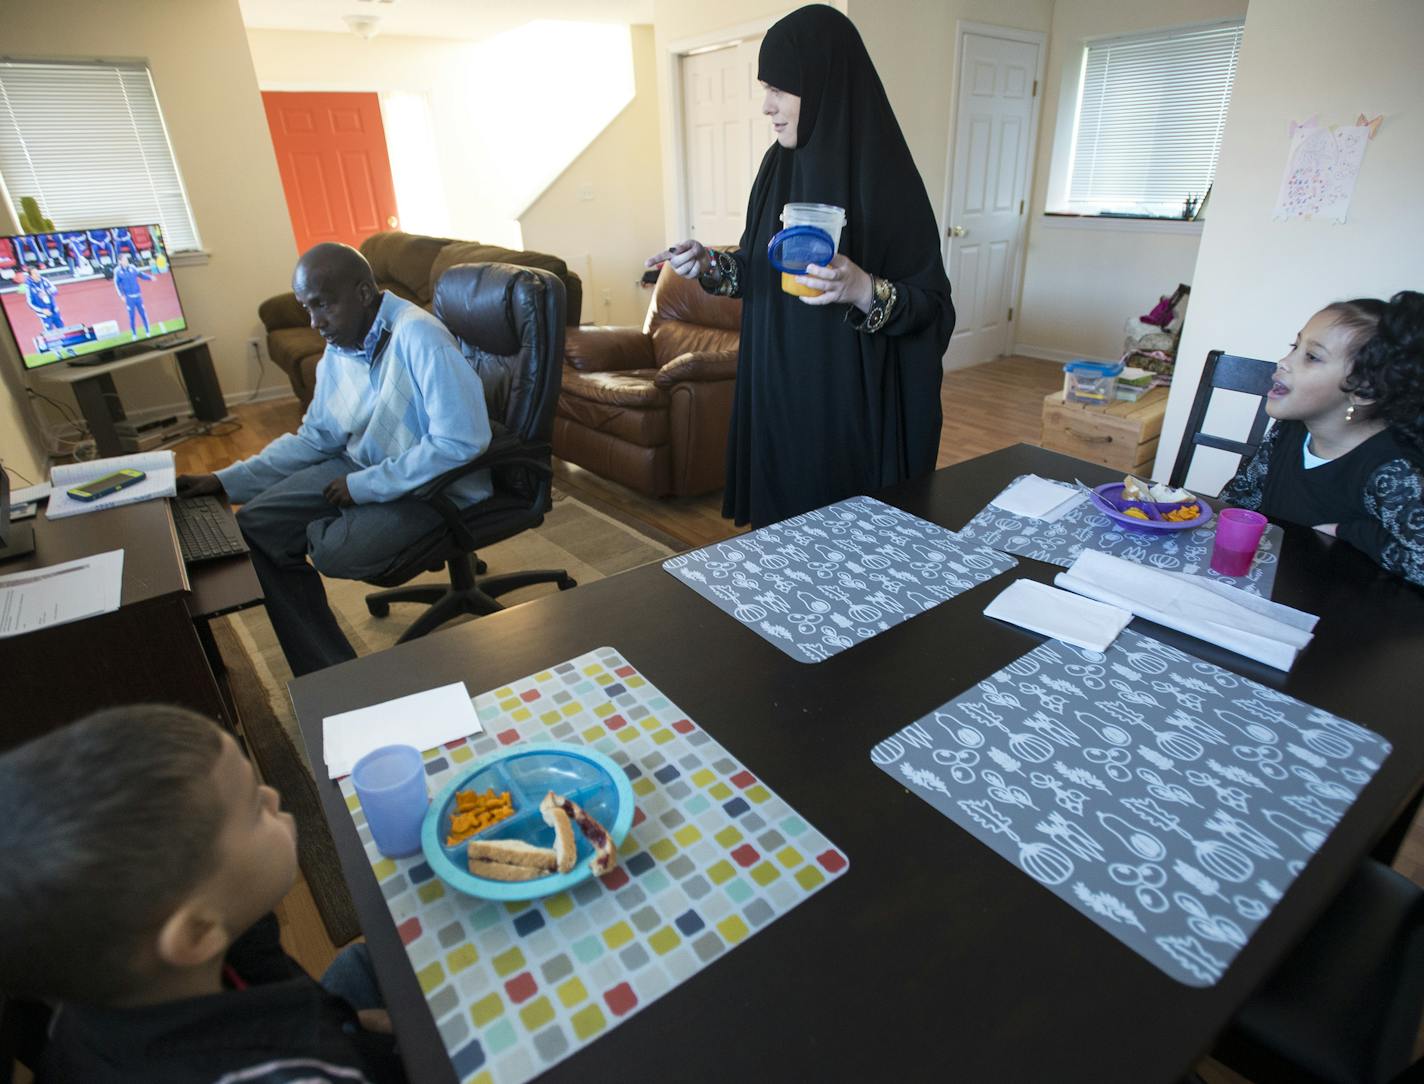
(1226,616)
(1061,614)
(1039,498)
(423,720)
(29,494)
(162,481)
(41,597)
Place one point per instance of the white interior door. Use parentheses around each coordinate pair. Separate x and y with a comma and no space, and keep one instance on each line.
(725,137)
(992,149)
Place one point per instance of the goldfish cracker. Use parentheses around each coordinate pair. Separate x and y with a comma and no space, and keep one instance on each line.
(474,812)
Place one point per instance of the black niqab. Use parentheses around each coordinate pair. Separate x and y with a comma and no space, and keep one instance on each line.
(823,411)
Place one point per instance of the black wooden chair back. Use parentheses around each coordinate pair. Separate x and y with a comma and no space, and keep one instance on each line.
(1228,373)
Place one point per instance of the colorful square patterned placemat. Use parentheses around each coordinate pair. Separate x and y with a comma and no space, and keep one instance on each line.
(1085,528)
(818,583)
(1168,800)
(713,856)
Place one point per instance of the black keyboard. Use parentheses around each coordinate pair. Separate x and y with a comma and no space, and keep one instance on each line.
(206,529)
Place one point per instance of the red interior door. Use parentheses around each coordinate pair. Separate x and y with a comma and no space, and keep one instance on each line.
(331,152)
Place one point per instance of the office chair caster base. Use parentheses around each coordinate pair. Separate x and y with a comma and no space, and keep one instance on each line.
(567,582)
(378,609)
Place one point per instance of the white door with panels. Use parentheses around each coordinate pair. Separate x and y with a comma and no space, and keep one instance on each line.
(725,135)
(989,190)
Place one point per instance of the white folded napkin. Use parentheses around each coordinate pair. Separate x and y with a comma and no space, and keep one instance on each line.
(424,720)
(1060,614)
(1039,498)
(1208,609)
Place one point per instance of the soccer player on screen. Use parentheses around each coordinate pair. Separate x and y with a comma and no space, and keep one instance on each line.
(40,295)
(126,282)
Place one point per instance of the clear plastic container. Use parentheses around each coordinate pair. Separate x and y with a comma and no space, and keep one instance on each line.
(823,216)
(1091,382)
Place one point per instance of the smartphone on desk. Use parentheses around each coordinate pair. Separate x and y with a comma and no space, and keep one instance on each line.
(109,483)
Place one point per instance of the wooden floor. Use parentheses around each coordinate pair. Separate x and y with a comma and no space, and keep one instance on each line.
(986,408)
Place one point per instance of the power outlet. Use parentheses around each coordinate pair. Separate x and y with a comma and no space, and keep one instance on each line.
(254,348)
(585,192)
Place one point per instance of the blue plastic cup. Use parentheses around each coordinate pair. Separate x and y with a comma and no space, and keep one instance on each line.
(390,782)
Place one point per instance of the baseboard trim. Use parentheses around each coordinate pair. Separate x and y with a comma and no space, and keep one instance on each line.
(1049,353)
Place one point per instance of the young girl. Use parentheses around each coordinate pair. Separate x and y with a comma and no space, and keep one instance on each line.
(1346,451)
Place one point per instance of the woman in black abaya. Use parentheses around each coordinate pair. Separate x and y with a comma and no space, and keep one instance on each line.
(836,394)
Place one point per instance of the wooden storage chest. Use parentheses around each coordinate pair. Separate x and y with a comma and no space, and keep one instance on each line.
(1122,436)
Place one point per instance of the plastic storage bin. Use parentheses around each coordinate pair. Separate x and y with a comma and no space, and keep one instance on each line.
(1092,382)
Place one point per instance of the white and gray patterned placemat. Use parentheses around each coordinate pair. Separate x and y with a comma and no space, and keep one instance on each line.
(1060,542)
(818,583)
(1170,801)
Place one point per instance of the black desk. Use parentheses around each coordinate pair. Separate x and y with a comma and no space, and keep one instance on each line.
(154,647)
(932,955)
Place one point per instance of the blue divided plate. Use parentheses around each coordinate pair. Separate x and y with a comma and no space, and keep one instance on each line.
(529,772)
(1104,494)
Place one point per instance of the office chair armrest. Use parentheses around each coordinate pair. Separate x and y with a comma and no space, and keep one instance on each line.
(608,349)
(505,450)
(698,366)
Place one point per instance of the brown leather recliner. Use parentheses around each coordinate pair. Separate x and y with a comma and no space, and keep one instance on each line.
(650,407)
(409,265)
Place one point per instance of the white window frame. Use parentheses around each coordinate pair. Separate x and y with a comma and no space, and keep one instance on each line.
(1067,136)
(136,205)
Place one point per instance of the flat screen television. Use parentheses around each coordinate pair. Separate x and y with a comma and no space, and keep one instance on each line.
(78,295)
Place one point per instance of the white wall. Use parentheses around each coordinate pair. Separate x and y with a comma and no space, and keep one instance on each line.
(508,114)
(1257,281)
(911,43)
(1084,278)
(206,88)
(603,215)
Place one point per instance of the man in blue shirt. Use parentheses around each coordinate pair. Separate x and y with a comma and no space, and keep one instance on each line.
(101,244)
(396,405)
(126,280)
(41,296)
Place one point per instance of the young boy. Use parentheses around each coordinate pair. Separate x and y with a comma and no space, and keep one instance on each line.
(139,855)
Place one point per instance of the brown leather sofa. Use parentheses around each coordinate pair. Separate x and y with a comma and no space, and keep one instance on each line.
(650,407)
(408,265)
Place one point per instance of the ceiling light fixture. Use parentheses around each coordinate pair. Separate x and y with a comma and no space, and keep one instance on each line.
(364,26)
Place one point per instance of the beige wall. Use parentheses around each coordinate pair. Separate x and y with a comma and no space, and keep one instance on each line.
(603,215)
(1084,279)
(301,60)
(206,87)
(507,113)
(1258,281)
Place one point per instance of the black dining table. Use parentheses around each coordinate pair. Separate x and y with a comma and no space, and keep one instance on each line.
(931,955)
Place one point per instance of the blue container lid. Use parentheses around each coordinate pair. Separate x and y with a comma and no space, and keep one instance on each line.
(796,246)
(1094,368)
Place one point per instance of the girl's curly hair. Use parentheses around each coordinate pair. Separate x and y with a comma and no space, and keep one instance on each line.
(1388,366)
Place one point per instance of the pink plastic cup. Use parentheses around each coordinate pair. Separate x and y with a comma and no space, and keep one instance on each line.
(1238,533)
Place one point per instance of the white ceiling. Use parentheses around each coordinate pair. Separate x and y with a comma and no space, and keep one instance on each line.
(471,19)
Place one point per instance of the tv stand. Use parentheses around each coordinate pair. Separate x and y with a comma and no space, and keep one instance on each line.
(99,402)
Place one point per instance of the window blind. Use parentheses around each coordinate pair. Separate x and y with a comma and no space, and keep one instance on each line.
(1150,117)
(87,140)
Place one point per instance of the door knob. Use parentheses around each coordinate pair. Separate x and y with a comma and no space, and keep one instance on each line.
(391,221)
(957,231)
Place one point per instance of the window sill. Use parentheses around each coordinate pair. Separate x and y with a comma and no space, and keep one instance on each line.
(195,258)
(1058,221)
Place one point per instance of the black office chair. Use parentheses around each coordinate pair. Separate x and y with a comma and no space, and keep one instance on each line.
(23,1031)
(1346,1004)
(510,321)
(1230,373)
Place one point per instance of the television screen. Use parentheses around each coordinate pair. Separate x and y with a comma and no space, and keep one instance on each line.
(77,292)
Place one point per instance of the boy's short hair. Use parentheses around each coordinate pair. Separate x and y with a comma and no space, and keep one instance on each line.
(106,825)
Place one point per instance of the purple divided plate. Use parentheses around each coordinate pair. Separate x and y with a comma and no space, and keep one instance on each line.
(1108,496)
